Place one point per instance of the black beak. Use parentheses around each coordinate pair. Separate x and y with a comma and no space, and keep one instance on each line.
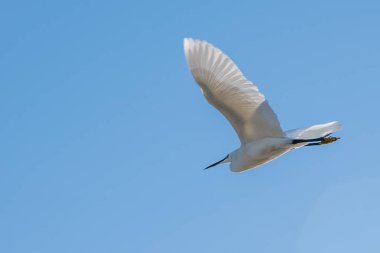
(214,164)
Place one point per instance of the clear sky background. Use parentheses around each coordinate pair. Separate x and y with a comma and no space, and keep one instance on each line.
(104,134)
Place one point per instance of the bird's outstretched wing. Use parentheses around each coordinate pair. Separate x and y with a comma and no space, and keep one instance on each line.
(226,88)
(315,131)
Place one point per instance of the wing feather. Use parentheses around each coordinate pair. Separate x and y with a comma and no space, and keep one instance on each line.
(226,88)
(315,131)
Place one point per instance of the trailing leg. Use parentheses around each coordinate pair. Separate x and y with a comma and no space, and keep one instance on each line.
(317,141)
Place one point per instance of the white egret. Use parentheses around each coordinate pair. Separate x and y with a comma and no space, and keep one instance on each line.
(240,101)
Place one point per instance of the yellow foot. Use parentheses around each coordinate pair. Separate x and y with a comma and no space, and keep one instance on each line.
(329,139)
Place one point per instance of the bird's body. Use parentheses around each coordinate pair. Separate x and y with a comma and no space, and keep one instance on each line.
(258,152)
(239,100)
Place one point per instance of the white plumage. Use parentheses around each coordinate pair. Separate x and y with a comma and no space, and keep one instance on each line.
(241,102)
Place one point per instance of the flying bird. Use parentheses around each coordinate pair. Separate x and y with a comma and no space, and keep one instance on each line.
(245,107)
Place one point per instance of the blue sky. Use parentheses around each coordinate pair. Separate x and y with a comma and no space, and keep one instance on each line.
(104,133)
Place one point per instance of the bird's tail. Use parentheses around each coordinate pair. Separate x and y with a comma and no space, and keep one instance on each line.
(313,132)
